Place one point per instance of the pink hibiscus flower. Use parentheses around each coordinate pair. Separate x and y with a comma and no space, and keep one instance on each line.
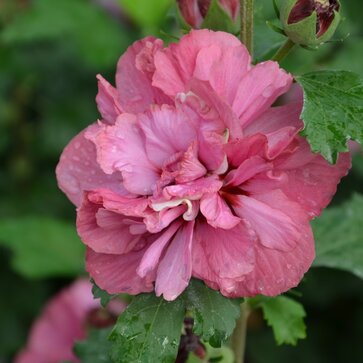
(193,171)
(63,321)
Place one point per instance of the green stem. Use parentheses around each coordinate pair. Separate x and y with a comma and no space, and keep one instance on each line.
(247,24)
(238,340)
(283,51)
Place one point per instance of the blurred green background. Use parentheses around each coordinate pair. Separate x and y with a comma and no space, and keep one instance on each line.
(50,53)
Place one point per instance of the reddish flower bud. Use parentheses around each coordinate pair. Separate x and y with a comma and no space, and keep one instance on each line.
(310,22)
(195,11)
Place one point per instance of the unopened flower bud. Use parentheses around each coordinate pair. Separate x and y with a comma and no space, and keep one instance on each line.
(310,22)
(195,12)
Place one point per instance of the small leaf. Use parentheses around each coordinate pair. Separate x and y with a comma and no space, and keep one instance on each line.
(214,315)
(333,111)
(218,19)
(103,295)
(96,348)
(276,9)
(148,331)
(275,28)
(43,247)
(284,315)
(339,237)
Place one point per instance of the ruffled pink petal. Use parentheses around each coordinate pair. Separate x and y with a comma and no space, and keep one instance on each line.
(223,69)
(275,119)
(277,271)
(273,270)
(217,212)
(126,205)
(175,269)
(280,125)
(194,189)
(107,101)
(270,217)
(221,255)
(151,257)
(117,273)
(190,167)
(240,150)
(106,231)
(175,65)
(311,180)
(121,147)
(157,221)
(258,89)
(78,170)
(248,169)
(167,131)
(60,324)
(133,78)
(223,111)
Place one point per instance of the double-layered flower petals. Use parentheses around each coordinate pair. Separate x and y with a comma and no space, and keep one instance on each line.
(193,170)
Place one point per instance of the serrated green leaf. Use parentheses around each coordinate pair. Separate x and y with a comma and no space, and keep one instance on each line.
(96,348)
(43,247)
(214,315)
(339,237)
(218,19)
(148,331)
(103,295)
(284,315)
(333,111)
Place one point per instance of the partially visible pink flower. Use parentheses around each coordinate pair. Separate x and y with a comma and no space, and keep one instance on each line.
(193,171)
(194,11)
(64,320)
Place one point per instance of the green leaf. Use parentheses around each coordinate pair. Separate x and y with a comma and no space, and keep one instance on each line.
(333,111)
(218,19)
(339,237)
(43,247)
(148,331)
(103,295)
(96,348)
(73,19)
(284,315)
(214,315)
(146,13)
(266,41)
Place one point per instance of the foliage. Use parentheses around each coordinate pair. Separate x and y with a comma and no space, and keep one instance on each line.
(103,295)
(60,255)
(339,241)
(218,19)
(50,52)
(148,330)
(52,19)
(96,349)
(150,327)
(284,315)
(146,13)
(215,316)
(333,111)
